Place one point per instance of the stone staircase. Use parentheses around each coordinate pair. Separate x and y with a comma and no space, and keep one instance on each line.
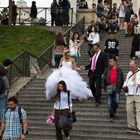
(93,122)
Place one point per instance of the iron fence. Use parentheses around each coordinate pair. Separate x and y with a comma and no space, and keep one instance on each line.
(19,68)
(43,16)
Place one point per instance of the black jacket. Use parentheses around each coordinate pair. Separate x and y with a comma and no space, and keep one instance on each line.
(106,79)
(101,65)
(135,45)
(33,11)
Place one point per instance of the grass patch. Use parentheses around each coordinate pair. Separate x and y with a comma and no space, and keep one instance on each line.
(15,39)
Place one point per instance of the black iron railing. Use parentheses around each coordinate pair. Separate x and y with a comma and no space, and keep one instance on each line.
(21,64)
(43,16)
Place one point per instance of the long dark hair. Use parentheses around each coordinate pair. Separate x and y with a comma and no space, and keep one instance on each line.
(95,29)
(59,39)
(74,35)
(57,97)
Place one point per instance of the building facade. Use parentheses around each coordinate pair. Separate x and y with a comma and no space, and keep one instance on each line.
(23,11)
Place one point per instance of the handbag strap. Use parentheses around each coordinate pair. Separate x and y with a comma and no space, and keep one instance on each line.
(59,105)
(68,92)
(133,74)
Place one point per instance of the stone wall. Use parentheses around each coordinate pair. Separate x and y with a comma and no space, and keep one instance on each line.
(88,13)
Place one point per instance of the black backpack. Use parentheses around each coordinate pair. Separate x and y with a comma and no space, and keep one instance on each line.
(2,86)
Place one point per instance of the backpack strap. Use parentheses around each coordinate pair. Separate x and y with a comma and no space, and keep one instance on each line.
(19,113)
(5,110)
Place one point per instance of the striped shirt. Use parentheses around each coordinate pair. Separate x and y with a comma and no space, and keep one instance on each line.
(13,127)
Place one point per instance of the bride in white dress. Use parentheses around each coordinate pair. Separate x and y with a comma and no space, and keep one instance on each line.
(67,72)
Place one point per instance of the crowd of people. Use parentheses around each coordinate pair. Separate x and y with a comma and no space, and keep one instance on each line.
(60,12)
(13,119)
(4,15)
(115,17)
(105,76)
(65,83)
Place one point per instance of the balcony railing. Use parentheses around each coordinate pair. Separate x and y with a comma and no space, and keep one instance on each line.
(43,16)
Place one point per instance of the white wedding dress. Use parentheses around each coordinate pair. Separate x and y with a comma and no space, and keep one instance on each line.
(73,80)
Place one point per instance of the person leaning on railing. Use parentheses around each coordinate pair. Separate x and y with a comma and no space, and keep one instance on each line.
(14,13)
(54,12)
(4,16)
(33,13)
(65,11)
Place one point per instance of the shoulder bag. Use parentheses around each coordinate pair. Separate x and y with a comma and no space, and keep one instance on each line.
(110,89)
(64,122)
(71,114)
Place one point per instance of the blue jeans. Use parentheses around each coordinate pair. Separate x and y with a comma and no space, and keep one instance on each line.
(113,26)
(57,60)
(2,106)
(113,103)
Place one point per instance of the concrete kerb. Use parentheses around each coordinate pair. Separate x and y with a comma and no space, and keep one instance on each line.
(23,81)
(19,84)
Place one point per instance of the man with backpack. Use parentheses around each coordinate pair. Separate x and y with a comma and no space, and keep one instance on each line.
(14,122)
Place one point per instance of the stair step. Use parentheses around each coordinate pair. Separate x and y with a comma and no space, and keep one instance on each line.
(93,122)
(90,137)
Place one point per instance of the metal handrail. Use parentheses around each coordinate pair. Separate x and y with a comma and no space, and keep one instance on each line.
(43,10)
(21,63)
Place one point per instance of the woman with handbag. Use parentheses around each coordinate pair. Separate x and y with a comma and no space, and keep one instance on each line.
(62,107)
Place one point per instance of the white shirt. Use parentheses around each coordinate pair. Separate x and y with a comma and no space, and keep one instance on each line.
(121,11)
(94,37)
(132,83)
(73,48)
(63,103)
(95,60)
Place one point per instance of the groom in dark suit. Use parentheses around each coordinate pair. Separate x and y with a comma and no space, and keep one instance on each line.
(96,69)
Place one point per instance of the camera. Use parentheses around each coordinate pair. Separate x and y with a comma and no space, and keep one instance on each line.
(125,89)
